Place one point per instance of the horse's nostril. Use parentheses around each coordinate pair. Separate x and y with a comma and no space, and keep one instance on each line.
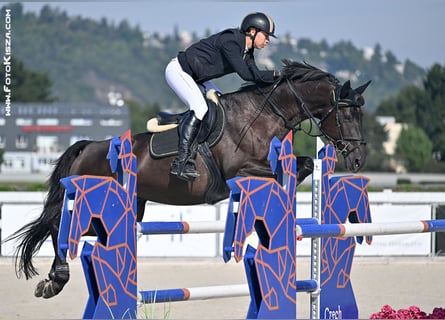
(357,163)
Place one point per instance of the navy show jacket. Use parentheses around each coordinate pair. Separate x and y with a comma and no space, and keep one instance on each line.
(221,54)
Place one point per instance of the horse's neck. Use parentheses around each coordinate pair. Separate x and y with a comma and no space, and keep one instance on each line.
(316,96)
(246,111)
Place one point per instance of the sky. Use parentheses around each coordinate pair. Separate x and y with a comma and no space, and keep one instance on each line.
(410,29)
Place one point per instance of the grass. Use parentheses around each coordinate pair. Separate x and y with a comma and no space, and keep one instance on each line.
(150,314)
(149,310)
(23,186)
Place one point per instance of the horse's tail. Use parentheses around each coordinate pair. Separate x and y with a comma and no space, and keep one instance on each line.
(31,236)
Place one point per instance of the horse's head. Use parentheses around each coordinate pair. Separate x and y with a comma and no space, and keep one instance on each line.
(335,108)
(342,124)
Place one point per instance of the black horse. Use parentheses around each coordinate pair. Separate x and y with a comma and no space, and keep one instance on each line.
(251,117)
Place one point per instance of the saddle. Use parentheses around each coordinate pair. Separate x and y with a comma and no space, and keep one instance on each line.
(165,129)
(165,139)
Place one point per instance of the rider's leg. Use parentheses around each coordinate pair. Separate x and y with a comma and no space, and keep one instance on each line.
(183,166)
(189,92)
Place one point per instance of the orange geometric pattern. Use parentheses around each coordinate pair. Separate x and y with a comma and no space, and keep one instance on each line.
(344,198)
(108,206)
(268,208)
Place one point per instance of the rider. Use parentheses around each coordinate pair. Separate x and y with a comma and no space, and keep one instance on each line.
(189,75)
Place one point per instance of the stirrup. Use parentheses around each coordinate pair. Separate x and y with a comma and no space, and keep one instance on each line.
(185,170)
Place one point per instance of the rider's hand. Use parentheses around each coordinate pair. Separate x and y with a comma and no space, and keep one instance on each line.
(277,74)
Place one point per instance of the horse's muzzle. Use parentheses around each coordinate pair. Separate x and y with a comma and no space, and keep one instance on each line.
(355,159)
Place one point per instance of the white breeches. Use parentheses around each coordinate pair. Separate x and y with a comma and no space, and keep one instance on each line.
(187,89)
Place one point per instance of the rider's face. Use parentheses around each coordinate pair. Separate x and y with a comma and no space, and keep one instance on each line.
(261,40)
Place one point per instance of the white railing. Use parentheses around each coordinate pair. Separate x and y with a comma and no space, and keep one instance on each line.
(18,208)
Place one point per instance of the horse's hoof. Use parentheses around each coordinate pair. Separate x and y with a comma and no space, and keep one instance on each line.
(38,292)
(49,290)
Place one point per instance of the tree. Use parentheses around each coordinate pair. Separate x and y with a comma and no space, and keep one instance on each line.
(2,152)
(376,61)
(304,141)
(375,135)
(411,72)
(435,82)
(48,15)
(404,106)
(414,148)
(125,31)
(431,111)
(422,107)
(139,115)
(27,85)
(16,9)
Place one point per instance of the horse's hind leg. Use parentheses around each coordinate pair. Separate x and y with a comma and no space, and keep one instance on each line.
(58,277)
(59,273)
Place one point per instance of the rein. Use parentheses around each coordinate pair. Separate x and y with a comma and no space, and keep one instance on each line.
(274,107)
(343,144)
(258,111)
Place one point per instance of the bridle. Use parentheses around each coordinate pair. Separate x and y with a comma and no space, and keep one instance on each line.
(344,144)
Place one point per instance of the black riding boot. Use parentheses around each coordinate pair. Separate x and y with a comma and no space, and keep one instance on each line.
(183,166)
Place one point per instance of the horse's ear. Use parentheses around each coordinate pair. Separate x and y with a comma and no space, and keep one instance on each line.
(345,88)
(363,87)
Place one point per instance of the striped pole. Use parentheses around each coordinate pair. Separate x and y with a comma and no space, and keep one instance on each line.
(210,292)
(198,293)
(180,227)
(369,229)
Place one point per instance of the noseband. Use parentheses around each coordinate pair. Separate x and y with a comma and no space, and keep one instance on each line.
(344,143)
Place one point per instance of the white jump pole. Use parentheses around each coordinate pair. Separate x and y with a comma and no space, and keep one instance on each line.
(370,229)
(198,293)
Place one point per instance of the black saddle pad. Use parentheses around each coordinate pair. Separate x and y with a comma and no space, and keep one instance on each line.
(165,144)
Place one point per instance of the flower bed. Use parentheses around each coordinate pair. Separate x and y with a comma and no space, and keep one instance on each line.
(413,312)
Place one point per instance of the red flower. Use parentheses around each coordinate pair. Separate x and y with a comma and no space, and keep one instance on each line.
(413,312)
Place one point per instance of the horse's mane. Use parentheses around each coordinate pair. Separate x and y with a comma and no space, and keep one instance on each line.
(294,70)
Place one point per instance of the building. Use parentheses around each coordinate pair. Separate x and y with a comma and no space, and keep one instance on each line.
(393,130)
(36,134)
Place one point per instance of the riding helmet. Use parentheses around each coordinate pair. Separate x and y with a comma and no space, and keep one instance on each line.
(259,21)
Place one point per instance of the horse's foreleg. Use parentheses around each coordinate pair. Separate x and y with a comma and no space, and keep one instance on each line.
(59,273)
(305,167)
